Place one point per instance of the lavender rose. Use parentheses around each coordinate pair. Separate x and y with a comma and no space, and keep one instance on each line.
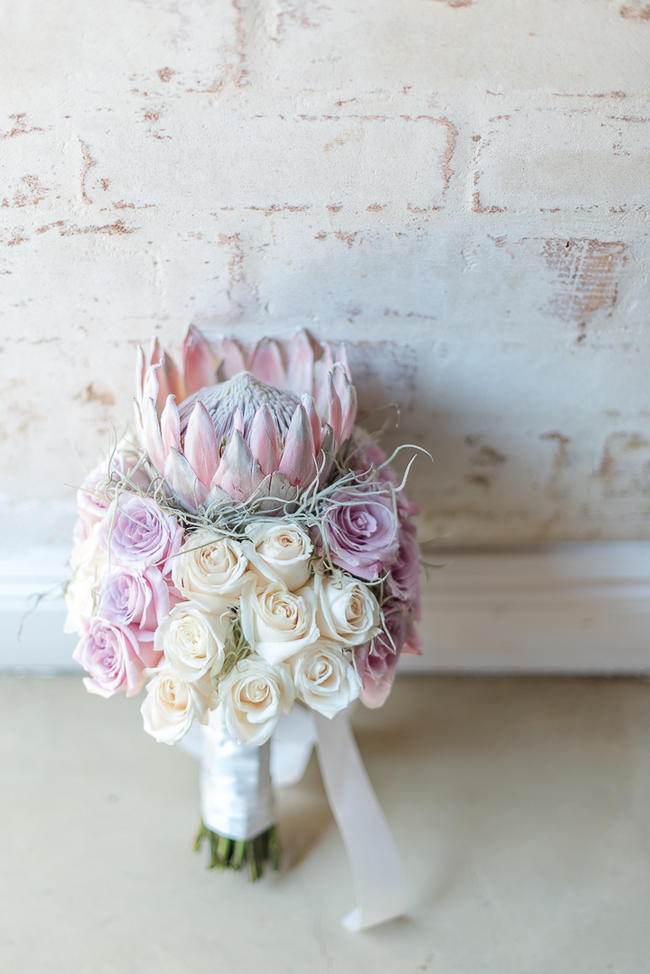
(98,488)
(370,464)
(361,532)
(136,533)
(404,572)
(138,601)
(110,654)
(377,660)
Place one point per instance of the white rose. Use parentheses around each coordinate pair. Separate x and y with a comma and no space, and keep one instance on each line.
(347,611)
(277,623)
(172,704)
(324,678)
(88,562)
(280,551)
(253,696)
(192,640)
(210,570)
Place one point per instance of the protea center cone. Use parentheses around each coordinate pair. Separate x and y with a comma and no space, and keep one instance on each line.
(242,424)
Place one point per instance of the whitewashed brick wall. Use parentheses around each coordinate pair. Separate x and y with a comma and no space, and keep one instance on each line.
(458,188)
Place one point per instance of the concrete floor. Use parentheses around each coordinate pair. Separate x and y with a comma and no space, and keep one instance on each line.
(521,808)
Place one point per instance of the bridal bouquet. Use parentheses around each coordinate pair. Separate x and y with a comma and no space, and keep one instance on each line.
(245,549)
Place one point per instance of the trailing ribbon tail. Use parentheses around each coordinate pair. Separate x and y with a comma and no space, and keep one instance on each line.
(374,861)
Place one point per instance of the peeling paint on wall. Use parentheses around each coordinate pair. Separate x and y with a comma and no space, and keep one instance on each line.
(475,228)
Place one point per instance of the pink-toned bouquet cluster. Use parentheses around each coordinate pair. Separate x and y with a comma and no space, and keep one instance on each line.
(244,548)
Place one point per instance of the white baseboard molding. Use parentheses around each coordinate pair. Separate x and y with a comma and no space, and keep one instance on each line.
(560,608)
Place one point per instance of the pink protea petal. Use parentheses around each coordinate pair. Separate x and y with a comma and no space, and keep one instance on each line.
(273,490)
(298,462)
(334,412)
(151,434)
(342,360)
(151,384)
(232,357)
(263,440)
(156,370)
(238,473)
(348,398)
(198,362)
(140,370)
(266,363)
(301,364)
(173,377)
(322,370)
(201,447)
(314,420)
(170,426)
(216,495)
(183,481)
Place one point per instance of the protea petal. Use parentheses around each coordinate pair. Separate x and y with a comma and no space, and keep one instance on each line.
(273,492)
(199,367)
(298,462)
(342,360)
(263,440)
(173,377)
(238,421)
(314,420)
(140,370)
(151,385)
(300,367)
(201,447)
(266,363)
(170,426)
(334,412)
(216,495)
(322,370)
(183,482)
(238,473)
(348,398)
(155,352)
(232,357)
(151,435)
(326,455)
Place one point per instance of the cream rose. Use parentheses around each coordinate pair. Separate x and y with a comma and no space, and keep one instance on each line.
(210,570)
(192,640)
(277,623)
(172,704)
(88,562)
(347,611)
(324,678)
(280,551)
(253,696)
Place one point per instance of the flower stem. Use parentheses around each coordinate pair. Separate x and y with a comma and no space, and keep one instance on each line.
(226,853)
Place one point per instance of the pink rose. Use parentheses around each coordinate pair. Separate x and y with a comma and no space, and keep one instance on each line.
(137,533)
(360,529)
(137,600)
(377,660)
(110,653)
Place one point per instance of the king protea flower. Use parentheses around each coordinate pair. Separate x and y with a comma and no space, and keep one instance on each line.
(237,423)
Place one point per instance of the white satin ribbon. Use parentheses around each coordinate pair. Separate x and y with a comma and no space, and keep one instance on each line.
(376,868)
(236,793)
(236,800)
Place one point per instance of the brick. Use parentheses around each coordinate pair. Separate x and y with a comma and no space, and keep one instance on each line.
(561,160)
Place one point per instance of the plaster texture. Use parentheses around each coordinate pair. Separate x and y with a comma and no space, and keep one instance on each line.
(457,188)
